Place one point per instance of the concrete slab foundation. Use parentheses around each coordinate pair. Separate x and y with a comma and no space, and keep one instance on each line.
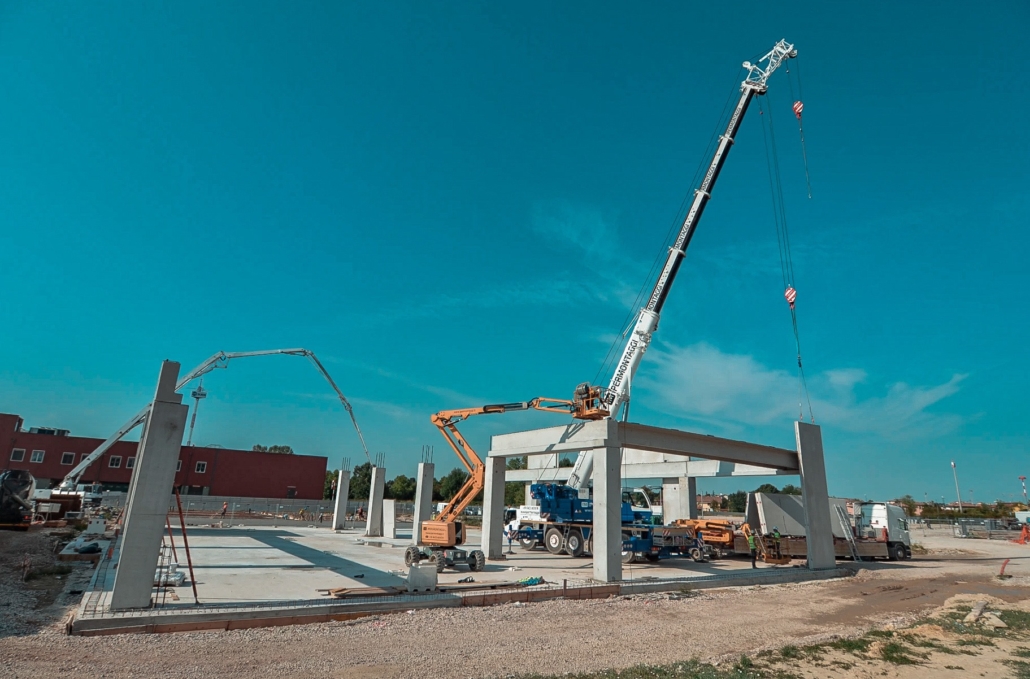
(146,505)
(423,498)
(340,502)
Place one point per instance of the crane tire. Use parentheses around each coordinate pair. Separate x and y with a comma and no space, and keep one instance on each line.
(553,541)
(574,543)
(528,544)
(412,555)
(477,560)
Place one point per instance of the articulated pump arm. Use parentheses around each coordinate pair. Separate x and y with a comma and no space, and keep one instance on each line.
(447,420)
(219,360)
(618,389)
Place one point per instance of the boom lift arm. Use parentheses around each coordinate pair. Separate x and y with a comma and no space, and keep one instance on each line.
(607,403)
(219,360)
(445,530)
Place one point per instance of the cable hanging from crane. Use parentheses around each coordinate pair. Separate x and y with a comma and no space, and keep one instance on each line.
(798,107)
(783,243)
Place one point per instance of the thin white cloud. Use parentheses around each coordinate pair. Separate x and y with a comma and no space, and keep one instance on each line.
(728,390)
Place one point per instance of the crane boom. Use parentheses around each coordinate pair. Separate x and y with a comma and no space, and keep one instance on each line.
(618,391)
(219,360)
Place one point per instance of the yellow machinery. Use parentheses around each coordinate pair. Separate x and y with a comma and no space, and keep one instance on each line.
(716,532)
(769,553)
(440,537)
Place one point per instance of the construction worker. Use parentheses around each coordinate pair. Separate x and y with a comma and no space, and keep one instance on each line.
(753,547)
(225,508)
(776,540)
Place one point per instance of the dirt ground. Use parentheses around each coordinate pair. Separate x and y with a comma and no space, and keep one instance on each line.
(561,637)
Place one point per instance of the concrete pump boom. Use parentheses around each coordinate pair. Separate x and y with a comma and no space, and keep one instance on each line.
(618,391)
(219,360)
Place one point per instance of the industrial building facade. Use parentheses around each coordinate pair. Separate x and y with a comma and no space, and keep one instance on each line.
(49,454)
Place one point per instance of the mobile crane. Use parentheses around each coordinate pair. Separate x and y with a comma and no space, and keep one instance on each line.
(440,537)
(69,485)
(601,404)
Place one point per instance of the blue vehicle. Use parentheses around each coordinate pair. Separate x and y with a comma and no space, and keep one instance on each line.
(563,523)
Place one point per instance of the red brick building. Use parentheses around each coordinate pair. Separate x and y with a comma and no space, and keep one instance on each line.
(49,454)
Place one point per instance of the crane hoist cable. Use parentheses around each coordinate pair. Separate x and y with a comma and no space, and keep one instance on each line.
(783,243)
(798,106)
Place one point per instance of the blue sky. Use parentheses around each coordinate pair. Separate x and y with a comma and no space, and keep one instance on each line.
(454,204)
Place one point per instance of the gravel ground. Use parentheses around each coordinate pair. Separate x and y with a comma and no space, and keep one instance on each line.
(547,637)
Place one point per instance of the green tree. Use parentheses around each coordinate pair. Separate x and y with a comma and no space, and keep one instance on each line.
(908,503)
(281,450)
(329,490)
(767,488)
(514,492)
(450,484)
(737,502)
(566,462)
(790,489)
(360,482)
(402,488)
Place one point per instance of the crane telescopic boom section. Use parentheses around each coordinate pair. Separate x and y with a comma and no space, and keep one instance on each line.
(618,391)
(219,360)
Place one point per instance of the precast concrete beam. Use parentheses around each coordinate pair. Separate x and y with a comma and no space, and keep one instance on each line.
(816,496)
(147,501)
(672,441)
(374,522)
(653,470)
(340,503)
(493,508)
(423,498)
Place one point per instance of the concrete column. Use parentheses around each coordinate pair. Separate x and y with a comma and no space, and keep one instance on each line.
(147,499)
(389,519)
(529,501)
(340,505)
(374,524)
(423,499)
(493,508)
(691,484)
(679,499)
(607,533)
(816,497)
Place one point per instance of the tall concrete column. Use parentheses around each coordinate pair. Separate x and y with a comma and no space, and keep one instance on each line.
(528,498)
(147,500)
(607,532)
(493,508)
(816,497)
(679,499)
(423,498)
(374,524)
(340,505)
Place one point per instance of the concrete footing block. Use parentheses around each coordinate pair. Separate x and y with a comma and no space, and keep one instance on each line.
(422,578)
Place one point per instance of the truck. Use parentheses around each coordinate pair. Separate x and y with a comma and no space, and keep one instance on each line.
(884,523)
(562,523)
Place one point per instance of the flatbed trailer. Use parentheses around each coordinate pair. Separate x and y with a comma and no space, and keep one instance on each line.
(797,547)
(640,541)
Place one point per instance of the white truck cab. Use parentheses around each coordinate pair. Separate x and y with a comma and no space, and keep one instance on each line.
(885,523)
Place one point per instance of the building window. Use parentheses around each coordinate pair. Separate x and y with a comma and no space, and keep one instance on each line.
(67,458)
(37,456)
(18,455)
(201,467)
(83,456)
(178,465)
(115,462)
(130,463)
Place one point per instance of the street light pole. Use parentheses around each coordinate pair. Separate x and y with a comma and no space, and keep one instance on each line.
(958,492)
(1022,479)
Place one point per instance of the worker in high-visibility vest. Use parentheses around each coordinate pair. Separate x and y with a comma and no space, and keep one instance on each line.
(754,550)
